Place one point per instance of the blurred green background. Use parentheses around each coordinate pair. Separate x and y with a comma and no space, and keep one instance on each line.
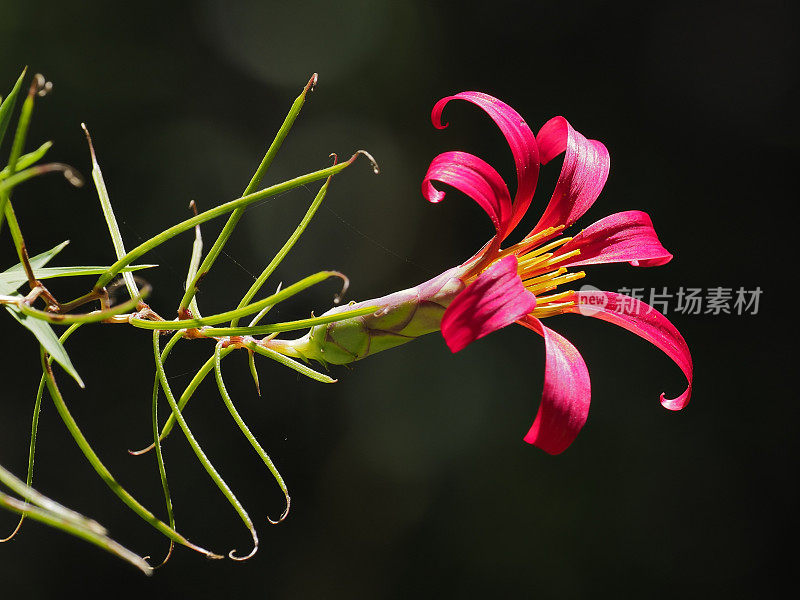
(409,477)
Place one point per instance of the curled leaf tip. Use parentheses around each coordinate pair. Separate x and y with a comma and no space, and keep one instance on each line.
(40,86)
(312,83)
(69,173)
(73,177)
(142,451)
(375,168)
(232,553)
(345,284)
(285,512)
(13,534)
(335,159)
(167,557)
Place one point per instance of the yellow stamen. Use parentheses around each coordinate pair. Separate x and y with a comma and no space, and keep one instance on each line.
(550,310)
(542,235)
(548,247)
(553,298)
(549,262)
(551,284)
(545,277)
(564,257)
(531,241)
(528,264)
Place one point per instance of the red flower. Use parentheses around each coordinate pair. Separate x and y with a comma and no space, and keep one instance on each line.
(519,283)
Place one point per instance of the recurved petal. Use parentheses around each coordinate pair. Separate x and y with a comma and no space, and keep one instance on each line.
(474,177)
(520,140)
(622,237)
(495,299)
(566,396)
(583,174)
(646,322)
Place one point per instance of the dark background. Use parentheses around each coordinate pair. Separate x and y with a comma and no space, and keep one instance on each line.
(409,477)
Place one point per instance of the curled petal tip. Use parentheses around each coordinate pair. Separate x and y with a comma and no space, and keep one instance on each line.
(675,404)
(431,194)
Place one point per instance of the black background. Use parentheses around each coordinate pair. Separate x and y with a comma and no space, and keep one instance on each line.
(409,477)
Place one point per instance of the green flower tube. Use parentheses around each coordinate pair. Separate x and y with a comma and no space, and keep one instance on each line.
(401,317)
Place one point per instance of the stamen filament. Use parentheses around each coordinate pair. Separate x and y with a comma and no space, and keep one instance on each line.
(545,277)
(551,246)
(553,298)
(552,284)
(527,263)
(530,242)
(551,310)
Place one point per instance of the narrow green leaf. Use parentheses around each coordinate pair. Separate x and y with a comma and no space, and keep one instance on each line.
(227,230)
(291,363)
(273,264)
(108,213)
(37,261)
(201,455)
(47,338)
(101,469)
(7,106)
(80,530)
(16,278)
(26,160)
(226,398)
(220,210)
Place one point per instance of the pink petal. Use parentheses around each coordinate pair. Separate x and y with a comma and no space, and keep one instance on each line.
(520,139)
(473,177)
(625,236)
(646,322)
(566,396)
(495,299)
(583,174)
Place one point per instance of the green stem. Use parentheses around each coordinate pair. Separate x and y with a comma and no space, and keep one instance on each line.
(92,317)
(231,314)
(289,325)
